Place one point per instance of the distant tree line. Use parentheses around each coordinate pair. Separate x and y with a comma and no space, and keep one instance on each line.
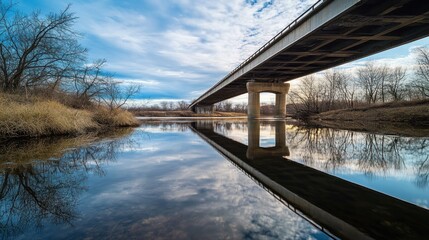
(163,106)
(370,84)
(42,55)
(228,106)
(224,106)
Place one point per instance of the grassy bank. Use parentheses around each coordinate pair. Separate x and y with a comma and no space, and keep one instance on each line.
(20,116)
(184,113)
(404,118)
(415,113)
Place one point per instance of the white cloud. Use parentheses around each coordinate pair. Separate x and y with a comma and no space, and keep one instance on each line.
(196,44)
(221,34)
(141,82)
(119,27)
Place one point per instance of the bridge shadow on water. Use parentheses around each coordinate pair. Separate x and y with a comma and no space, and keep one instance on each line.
(338,207)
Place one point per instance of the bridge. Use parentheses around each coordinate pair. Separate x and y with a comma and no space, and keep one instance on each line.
(338,207)
(330,33)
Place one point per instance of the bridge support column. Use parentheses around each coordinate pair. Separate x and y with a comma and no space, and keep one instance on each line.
(254,105)
(280,105)
(255,88)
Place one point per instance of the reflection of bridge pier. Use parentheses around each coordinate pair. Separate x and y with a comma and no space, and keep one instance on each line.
(255,151)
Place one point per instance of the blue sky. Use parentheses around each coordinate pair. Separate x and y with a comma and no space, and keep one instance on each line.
(177,49)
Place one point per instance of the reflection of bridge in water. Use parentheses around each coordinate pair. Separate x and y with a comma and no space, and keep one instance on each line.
(343,208)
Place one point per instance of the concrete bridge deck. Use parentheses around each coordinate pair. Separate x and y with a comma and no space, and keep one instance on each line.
(330,33)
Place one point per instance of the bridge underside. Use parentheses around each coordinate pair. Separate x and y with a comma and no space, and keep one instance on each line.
(364,28)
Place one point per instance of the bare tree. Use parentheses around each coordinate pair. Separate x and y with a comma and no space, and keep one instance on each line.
(114,96)
(164,105)
(225,106)
(396,82)
(171,105)
(90,82)
(332,78)
(306,99)
(371,79)
(422,71)
(339,90)
(240,107)
(347,88)
(35,49)
(182,105)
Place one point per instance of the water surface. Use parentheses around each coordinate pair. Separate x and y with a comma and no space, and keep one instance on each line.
(163,181)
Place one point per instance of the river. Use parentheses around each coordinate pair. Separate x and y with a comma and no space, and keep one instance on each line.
(216,179)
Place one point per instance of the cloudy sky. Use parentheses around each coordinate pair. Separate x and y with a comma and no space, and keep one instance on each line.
(177,49)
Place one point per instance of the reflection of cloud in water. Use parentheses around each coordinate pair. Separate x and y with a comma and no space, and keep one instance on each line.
(173,187)
(180,192)
(141,149)
(235,202)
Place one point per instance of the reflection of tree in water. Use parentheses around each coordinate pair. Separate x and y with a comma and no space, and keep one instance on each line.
(380,152)
(373,153)
(224,127)
(332,145)
(418,148)
(45,179)
(422,172)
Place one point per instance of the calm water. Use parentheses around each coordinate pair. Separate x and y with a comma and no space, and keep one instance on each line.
(183,180)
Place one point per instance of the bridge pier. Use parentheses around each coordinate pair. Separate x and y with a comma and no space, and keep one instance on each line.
(203,108)
(255,88)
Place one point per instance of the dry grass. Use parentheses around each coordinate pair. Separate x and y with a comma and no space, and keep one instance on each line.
(115,117)
(40,117)
(415,113)
(35,116)
(404,118)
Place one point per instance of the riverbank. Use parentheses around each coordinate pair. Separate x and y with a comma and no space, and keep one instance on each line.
(403,118)
(35,116)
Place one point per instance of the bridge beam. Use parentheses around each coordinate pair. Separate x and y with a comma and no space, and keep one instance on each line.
(255,88)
